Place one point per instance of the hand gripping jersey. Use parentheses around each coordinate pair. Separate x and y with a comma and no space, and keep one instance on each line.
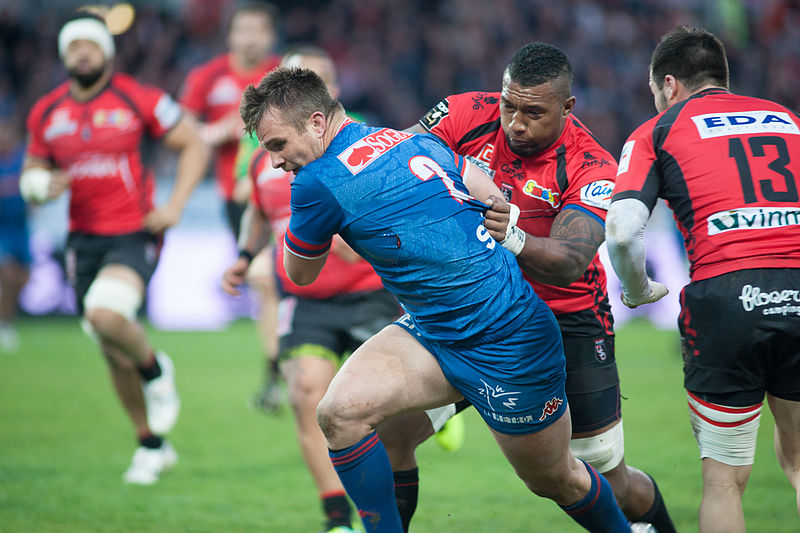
(98,143)
(399,200)
(576,172)
(214,90)
(729,168)
(271,194)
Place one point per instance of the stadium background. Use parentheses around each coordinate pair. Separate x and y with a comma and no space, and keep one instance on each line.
(396,59)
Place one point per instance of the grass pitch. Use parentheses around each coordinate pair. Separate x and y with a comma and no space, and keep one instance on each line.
(64,443)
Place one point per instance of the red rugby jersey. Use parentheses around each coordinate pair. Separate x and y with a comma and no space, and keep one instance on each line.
(212,91)
(98,143)
(271,194)
(729,167)
(576,172)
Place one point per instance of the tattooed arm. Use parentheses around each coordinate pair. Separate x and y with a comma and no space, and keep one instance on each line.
(562,257)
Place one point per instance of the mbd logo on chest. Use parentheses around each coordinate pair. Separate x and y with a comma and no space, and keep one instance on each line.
(366,150)
(722,124)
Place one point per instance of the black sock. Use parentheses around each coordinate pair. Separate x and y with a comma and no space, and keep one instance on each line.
(151,441)
(657,514)
(336,509)
(406,493)
(150,370)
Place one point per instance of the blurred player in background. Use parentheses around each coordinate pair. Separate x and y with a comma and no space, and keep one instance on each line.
(212,92)
(15,254)
(320,324)
(261,273)
(729,168)
(473,327)
(85,137)
(559,179)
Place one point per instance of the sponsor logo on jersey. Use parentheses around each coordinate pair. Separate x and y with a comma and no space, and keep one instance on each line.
(625,157)
(480,99)
(507,190)
(483,165)
(534,190)
(753,218)
(514,170)
(600,350)
(550,407)
(225,91)
(778,302)
(60,124)
(99,166)
(589,161)
(486,152)
(598,194)
(436,114)
(363,152)
(119,118)
(744,122)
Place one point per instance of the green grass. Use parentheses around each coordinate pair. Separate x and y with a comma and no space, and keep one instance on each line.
(64,443)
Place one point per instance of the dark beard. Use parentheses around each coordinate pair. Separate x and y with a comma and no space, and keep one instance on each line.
(87,79)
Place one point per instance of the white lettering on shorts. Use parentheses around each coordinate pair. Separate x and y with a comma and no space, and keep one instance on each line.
(779,302)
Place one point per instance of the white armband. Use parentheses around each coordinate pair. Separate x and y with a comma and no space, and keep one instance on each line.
(34,184)
(515,237)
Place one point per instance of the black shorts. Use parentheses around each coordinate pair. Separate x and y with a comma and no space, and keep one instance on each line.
(87,254)
(332,328)
(740,336)
(592,385)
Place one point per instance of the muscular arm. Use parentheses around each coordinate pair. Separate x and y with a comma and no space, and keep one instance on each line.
(302,271)
(562,257)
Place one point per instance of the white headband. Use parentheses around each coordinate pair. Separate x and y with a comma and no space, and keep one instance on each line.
(88,29)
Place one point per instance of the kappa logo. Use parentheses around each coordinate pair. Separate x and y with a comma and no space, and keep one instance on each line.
(363,152)
(744,122)
(550,407)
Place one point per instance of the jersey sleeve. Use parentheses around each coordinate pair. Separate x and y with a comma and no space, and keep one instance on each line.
(637,175)
(316,217)
(37,147)
(448,119)
(591,174)
(161,112)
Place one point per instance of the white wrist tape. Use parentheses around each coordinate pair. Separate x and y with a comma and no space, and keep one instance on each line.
(515,237)
(34,184)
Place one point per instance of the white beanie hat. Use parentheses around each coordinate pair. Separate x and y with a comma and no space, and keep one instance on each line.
(87,28)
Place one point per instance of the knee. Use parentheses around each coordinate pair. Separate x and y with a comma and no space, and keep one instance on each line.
(105,323)
(305,395)
(330,418)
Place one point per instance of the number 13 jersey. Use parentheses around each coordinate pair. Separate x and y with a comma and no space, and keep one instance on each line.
(728,166)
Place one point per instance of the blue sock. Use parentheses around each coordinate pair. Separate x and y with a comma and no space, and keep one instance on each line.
(598,511)
(366,474)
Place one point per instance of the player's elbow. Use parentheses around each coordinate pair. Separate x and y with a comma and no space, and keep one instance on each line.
(625,222)
(299,278)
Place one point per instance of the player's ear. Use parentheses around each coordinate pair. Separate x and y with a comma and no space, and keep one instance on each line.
(569,105)
(319,122)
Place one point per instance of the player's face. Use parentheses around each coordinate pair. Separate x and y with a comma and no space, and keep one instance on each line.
(532,117)
(251,38)
(659,95)
(84,61)
(288,148)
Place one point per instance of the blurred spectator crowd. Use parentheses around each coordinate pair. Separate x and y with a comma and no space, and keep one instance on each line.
(397,58)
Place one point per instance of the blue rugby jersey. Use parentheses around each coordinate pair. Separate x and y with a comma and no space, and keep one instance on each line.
(399,200)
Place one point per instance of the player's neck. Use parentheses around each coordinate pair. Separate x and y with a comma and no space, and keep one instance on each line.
(82,94)
(335,123)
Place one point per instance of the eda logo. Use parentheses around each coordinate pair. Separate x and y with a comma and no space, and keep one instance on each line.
(598,193)
(364,151)
(744,122)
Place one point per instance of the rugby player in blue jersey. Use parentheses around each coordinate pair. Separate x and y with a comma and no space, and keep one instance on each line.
(474,328)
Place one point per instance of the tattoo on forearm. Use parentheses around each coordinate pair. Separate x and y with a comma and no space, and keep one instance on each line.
(579,232)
